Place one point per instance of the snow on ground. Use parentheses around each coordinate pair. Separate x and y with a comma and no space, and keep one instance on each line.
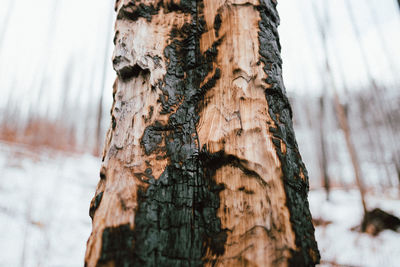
(44,204)
(338,244)
(44,221)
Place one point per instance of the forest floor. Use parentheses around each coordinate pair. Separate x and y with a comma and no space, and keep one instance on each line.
(44,221)
(339,245)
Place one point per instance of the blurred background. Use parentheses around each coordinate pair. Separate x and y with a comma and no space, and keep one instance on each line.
(341,63)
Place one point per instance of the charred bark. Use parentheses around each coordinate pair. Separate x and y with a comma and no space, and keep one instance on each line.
(200,166)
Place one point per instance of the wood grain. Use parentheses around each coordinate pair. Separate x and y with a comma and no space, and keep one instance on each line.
(200,164)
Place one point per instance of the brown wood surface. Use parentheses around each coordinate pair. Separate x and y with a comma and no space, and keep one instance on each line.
(255,226)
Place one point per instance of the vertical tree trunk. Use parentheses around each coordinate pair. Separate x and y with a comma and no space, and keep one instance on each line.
(324,163)
(200,166)
(344,124)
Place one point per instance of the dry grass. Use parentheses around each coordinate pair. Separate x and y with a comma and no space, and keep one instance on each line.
(41,133)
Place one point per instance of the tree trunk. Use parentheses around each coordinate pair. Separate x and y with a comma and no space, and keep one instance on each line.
(344,124)
(324,163)
(200,166)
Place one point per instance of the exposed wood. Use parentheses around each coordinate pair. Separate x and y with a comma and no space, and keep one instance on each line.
(200,165)
(234,119)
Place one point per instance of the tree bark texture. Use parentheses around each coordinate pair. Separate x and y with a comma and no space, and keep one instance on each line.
(200,165)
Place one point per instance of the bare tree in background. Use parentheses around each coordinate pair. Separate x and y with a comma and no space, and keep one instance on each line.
(323,157)
(200,166)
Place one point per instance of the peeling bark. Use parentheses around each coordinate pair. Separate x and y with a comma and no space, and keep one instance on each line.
(200,166)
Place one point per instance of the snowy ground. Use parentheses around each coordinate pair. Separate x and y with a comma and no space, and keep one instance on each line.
(44,203)
(44,221)
(338,244)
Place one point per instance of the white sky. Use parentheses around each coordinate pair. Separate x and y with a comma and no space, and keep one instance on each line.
(302,50)
(43,40)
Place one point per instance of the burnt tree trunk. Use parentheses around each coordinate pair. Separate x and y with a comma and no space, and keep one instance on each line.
(200,165)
